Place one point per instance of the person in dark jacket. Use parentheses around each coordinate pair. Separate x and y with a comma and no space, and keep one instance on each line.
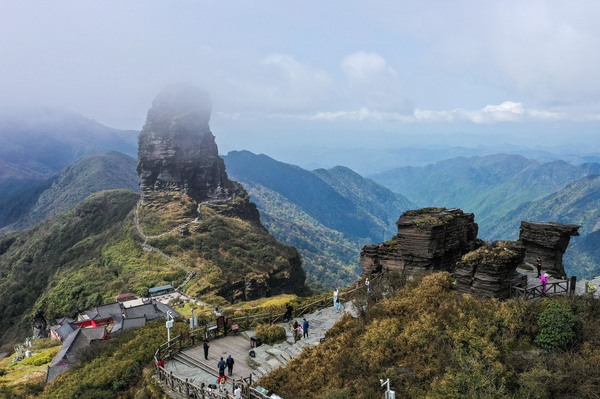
(206,346)
(288,312)
(229,363)
(305,328)
(221,366)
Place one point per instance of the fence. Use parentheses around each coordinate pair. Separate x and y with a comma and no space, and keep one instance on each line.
(554,288)
(186,340)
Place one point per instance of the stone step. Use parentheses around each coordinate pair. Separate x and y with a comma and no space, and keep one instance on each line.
(281,359)
(274,363)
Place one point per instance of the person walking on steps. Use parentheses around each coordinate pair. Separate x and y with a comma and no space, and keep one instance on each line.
(288,312)
(206,346)
(368,285)
(538,265)
(305,328)
(336,294)
(229,362)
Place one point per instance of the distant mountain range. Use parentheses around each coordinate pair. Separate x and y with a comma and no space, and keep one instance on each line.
(72,185)
(489,186)
(37,144)
(327,214)
(46,140)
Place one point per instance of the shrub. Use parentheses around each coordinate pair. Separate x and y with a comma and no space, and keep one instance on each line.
(270,333)
(37,360)
(558,327)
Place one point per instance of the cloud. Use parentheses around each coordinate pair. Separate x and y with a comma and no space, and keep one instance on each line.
(362,66)
(508,111)
(371,82)
(290,84)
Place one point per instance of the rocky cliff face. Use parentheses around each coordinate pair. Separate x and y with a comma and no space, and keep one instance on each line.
(490,270)
(549,241)
(427,239)
(192,210)
(177,151)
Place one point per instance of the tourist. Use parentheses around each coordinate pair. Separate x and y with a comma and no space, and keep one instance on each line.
(538,265)
(305,328)
(221,380)
(237,394)
(338,305)
(368,285)
(296,328)
(288,312)
(206,346)
(544,282)
(336,294)
(221,366)
(229,364)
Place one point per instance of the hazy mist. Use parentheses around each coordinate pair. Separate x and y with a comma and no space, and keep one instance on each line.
(290,78)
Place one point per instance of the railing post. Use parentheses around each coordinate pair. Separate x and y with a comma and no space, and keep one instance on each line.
(572,285)
(187,388)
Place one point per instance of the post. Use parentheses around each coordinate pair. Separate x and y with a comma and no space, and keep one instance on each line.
(169,325)
(572,284)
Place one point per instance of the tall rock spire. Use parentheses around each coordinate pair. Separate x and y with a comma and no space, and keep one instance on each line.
(177,151)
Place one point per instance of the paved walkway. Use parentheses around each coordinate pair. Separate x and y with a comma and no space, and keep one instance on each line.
(190,363)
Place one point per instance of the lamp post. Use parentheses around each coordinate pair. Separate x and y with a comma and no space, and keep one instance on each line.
(169,325)
(389,394)
(192,324)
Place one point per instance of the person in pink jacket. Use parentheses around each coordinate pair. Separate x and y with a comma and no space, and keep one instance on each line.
(544,281)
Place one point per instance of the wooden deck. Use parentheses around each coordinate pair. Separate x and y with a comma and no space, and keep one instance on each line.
(237,346)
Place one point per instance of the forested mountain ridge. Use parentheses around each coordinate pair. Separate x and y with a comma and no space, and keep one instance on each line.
(327,214)
(489,186)
(88,175)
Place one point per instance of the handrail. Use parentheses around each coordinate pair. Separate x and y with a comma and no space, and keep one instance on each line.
(538,291)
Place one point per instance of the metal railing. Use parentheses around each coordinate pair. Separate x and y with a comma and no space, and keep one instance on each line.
(555,288)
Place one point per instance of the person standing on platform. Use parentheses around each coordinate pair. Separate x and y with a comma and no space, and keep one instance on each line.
(206,346)
(229,363)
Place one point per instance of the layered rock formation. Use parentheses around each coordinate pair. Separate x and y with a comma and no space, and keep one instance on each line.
(490,270)
(549,241)
(427,239)
(177,151)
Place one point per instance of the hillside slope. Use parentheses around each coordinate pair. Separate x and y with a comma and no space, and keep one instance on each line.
(59,253)
(432,343)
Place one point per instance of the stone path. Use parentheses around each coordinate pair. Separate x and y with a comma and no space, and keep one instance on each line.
(190,363)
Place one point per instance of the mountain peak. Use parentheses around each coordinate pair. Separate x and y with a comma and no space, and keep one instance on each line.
(177,151)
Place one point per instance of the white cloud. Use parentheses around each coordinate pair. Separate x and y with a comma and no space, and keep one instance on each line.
(508,111)
(362,66)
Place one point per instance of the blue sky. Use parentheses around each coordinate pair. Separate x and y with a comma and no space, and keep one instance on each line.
(337,73)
